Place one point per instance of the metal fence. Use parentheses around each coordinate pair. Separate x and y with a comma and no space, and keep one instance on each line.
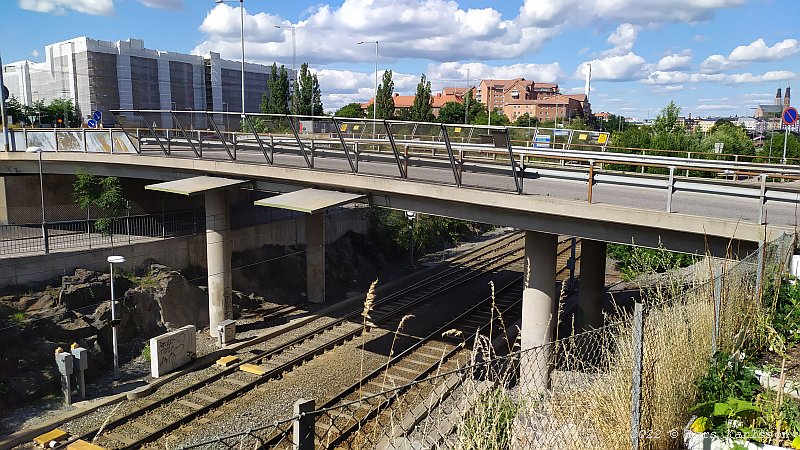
(628,384)
(72,234)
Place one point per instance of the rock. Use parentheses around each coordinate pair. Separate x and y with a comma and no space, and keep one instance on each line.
(87,288)
(166,301)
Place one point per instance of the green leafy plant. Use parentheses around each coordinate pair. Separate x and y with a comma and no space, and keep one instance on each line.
(104,193)
(727,378)
(146,352)
(18,318)
(633,261)
(488,425)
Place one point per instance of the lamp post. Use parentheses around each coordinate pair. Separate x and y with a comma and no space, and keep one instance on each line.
(294,52)
(111,261)
(41,190)
(241,17)
(466,102)
(411,215)
(374,99)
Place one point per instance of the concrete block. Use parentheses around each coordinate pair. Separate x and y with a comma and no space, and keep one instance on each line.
(44,440)
(227,361)
(172,350)
(226,331)
(252,368)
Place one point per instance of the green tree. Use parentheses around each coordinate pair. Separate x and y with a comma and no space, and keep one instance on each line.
(18,112)
(775,153)
(613,124)
(64,110)
(667,119)
(385,98)
(350,110)
(302,102)
(104,193)
(498,118)
(422,110)
(734,139)
(316,96)
(525,120)
(453,112)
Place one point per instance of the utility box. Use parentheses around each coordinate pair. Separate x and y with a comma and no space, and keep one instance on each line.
(80,358)
(226,331)
(64,362)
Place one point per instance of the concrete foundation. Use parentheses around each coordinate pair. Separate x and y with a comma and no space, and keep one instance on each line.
(218,249)
(538,310)
(315,257)
(592,284)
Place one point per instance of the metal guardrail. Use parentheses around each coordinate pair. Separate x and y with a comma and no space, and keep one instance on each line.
(520,152)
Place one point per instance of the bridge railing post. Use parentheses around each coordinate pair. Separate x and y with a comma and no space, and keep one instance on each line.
(85,144)
(762,198)
(670,188)
(591,181)
(303,435)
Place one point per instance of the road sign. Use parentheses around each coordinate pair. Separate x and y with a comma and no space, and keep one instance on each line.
(542,141)
(92,123)
(97,116)
(789,116)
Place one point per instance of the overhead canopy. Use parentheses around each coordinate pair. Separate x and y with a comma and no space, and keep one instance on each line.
(309,200)
(195,185)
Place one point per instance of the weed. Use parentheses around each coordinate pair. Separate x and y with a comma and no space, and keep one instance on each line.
(146,352)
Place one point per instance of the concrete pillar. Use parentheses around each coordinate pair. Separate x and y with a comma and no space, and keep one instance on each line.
(315,257)
(592,285)
(538,310)
(218,248)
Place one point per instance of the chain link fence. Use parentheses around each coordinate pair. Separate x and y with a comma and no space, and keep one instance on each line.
(626,385)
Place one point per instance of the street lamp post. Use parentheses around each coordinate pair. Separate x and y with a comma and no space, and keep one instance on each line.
(294,51)
(375,99)
(241,17)
(411,215)
(41,190)
(111,261)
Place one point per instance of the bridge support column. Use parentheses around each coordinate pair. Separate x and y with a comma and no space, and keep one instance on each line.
(538,310)
(218,250)
(592,285)
(315,257)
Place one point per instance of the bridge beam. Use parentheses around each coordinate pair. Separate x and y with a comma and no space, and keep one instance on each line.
(315,257)
(220,306)
(592,285)
(538,310)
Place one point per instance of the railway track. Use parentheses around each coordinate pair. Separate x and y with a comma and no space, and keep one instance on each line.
(163,415)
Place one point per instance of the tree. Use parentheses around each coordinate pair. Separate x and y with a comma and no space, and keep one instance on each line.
(667,119)
(350,110)
(384,98)
(775,153)
(421,110)
(316,95)
(498,118)
(104,193)
(524,120)
(453,112)
(18,112)
(302,103)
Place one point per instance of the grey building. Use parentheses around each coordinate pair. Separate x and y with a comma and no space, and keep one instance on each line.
(103,75)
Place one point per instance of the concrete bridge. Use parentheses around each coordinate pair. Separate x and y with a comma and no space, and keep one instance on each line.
(507,176)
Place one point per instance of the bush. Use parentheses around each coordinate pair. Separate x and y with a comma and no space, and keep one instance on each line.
(632,261)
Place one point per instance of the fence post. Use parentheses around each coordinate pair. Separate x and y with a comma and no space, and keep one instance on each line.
(760,270)
(303,429)
(591,180)
(128,219)
(717,305)
(88,227)
(636,375)
(572,257)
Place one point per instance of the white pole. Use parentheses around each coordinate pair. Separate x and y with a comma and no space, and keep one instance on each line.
(41,190)
(466,101)
(241,15)
(375,103)
(3,111)
(114,326)
(785,139)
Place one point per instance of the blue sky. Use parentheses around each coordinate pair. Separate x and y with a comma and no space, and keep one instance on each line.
(712,57)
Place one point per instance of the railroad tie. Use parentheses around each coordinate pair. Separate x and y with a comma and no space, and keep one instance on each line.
(207,398)
(241,383)
(117,437)
(191,405)
(144,427)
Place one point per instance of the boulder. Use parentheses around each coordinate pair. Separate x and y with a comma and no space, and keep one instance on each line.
(165,300)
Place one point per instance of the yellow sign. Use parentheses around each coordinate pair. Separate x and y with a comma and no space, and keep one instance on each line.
(457,129)
(582,137)
(343,127)
(355,127)
(602,139)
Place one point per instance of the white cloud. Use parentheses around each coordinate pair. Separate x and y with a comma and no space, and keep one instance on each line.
(713,107)
(663,89)
(717,64)
(675,61)
(615,68)
(455,73)
(555,12)
(622,39)
(433,29)
(60,7)
(758,51)
(163,4)
(674,77)
(754,52)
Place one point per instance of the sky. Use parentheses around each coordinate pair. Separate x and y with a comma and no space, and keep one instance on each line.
(712,57)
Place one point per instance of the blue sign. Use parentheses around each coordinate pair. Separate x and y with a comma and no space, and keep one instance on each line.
(92,123)
(97,115)
(542,141)
(789,116)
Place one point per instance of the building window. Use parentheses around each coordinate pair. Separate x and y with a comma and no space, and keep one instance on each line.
(515,94)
